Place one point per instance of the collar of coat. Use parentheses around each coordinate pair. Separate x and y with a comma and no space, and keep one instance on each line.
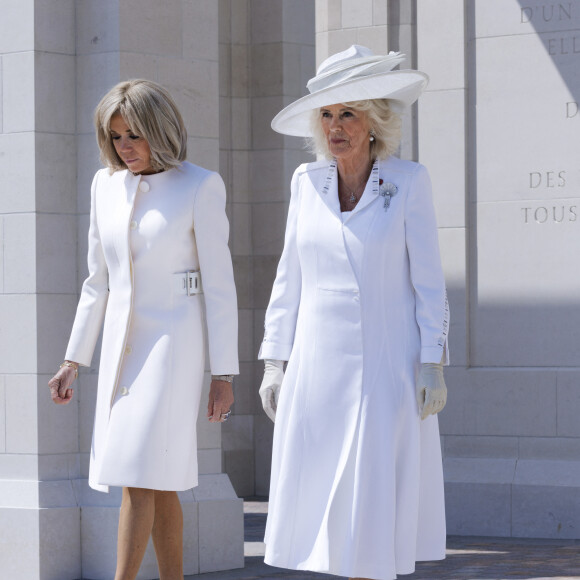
(326,185)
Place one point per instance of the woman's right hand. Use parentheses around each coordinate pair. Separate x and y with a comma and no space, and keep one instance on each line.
(60,385)
(270,387)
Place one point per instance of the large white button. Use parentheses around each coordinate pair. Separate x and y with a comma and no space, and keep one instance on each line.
(124,391)
(144,186)
(128,349)
(133,225)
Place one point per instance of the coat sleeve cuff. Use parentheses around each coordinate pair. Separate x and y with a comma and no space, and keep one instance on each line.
(82,359)
(271,350)
(435,354)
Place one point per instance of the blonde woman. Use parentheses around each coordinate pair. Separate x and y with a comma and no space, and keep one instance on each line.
(359,312)
(158,237)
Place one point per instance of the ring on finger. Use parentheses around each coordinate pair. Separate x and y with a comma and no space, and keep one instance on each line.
(225,416)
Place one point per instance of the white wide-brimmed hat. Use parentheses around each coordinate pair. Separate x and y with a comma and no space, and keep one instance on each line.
(355,74)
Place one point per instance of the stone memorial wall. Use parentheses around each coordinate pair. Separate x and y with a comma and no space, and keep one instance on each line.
(525,139)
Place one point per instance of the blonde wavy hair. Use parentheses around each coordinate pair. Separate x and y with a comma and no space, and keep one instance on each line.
(383,122)
(150,112)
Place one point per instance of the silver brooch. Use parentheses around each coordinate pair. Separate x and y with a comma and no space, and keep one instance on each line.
(387,190)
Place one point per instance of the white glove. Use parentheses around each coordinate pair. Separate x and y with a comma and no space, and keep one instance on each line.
(430,390)
(270,387)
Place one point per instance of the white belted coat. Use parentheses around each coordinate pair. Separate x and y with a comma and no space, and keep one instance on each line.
(143,231)
(358,302)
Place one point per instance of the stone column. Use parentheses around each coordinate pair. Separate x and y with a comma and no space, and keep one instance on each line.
(39,512)
(56,60)
(235,153)
(266,59)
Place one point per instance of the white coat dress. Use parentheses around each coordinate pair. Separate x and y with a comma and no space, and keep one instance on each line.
(358,303)
(143,230)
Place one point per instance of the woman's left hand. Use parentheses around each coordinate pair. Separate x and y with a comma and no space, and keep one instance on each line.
(221,398)
(431,391)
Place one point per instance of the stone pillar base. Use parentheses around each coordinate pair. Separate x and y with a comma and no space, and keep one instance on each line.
(71,532)
(40,543)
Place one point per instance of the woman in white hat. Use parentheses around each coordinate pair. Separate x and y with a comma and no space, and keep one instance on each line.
(359,311)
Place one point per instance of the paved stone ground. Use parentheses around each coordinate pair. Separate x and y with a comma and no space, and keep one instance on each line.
(468,558)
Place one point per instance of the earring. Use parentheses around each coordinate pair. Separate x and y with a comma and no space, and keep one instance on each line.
(372,137)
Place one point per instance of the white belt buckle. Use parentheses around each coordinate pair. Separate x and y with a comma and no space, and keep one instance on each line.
(192,282)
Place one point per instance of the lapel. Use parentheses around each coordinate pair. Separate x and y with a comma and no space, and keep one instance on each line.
(328,190)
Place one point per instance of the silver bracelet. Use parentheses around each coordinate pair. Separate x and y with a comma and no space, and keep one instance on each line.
(227,378)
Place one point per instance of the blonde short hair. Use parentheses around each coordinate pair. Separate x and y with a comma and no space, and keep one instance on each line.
(150,112)
(383,122)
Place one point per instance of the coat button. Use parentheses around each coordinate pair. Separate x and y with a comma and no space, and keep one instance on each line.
(128,349)
(144,187)
(124,391)
(133,225)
